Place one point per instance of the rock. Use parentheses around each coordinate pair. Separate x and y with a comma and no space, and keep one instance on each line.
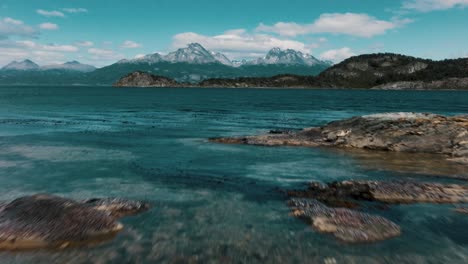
(394,192)
(344,224)
(118,207)
(143,79)
(462,210)
(398,132)
(47,221)
(448,83)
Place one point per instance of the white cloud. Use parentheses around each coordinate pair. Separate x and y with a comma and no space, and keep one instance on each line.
(64,48)
(360,25)
(12,27)
(84,43)
(48,47)
(52,13)
(139,56)
(48,26)
(27,49)
(101,52)
(75,10)
(102,55)
(431,5)
(128,44)
(337,55)
(12,21)
(239,44)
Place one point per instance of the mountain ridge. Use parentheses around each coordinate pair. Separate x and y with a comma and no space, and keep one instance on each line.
(195,53)
(370,71)
(29,65)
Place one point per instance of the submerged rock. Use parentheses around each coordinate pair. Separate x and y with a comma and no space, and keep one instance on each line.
(48,221)
(393,192)
(118,207)
(462,210)
(344,224)
(399,132)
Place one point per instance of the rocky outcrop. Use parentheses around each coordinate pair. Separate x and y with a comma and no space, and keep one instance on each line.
(47,221)
(445,84)
(391,192)
(399,132)
(279,81)
(142,79)
(386,70)
(344,224)
(353,226)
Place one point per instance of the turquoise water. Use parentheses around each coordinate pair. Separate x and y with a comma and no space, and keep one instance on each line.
(211,203)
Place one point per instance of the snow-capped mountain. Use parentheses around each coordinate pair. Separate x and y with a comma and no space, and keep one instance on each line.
(25,65)
(222,58)
(194,53)
(150,59)
(70,66)
(288,56)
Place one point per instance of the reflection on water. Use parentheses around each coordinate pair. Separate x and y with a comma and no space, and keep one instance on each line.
(415,163)
(214,203)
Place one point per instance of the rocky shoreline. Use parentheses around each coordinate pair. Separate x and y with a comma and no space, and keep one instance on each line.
(334,207)
(142,79)
(395,132)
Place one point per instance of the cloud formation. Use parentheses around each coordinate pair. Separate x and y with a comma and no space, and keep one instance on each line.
(52,13)
(84,43)
(48,47)
(359,25)
(337,55)
(431,5)
(104,55)
(128,44)
(11,27)
(48,26)
(75,10)
(238,43)
(26,49)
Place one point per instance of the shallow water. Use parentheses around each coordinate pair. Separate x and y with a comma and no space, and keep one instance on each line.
(212,203)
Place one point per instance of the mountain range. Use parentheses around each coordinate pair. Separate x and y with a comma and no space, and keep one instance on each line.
(190,64)
(370,71)
(28,65)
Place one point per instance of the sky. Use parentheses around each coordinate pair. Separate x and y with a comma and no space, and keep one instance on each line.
(105,31)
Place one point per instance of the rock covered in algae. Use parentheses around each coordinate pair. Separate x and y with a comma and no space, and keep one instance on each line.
(395,192)
(48,221)
(344,224)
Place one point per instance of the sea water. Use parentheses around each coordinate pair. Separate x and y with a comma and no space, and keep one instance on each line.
(213,203)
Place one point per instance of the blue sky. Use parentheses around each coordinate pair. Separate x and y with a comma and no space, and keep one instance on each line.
(102,32)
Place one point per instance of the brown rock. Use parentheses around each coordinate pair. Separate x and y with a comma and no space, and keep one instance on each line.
(394,192)
(344,224)
(47,221)
(399,132)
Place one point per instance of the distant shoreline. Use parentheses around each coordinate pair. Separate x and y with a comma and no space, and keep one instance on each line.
(240,88)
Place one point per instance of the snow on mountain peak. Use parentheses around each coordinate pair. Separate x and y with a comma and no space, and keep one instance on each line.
(288,56)
(195,53)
